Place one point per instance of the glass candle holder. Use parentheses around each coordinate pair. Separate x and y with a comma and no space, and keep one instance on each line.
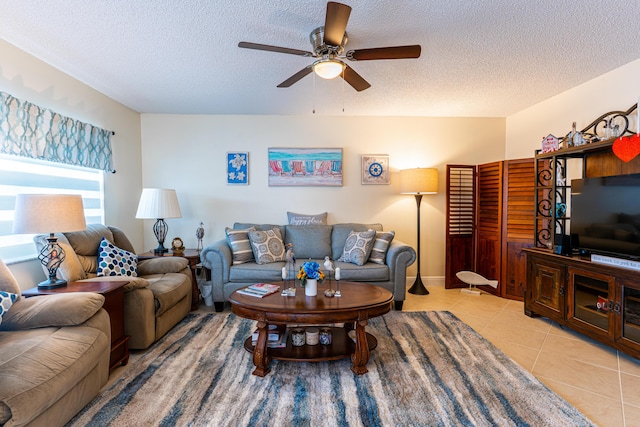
(325,336)
(298,337)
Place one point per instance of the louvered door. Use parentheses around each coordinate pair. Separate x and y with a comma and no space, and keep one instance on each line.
(490,219)
(518,225)
(489,210)
(461,185)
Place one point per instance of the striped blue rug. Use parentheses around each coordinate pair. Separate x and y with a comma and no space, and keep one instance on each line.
(430,369)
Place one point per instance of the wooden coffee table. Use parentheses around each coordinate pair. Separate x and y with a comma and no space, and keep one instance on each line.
(359,303)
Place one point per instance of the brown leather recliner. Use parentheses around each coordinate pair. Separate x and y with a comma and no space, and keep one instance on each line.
(154,302)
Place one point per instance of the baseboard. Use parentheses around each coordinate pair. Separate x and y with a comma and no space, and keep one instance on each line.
(428,281)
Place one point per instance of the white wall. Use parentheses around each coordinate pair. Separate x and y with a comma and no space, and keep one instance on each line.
(26,77)
(616,90)
(188,153)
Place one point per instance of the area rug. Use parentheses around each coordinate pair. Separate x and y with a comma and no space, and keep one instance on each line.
(429,369)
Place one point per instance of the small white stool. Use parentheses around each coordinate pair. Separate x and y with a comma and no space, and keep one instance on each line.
(474,279)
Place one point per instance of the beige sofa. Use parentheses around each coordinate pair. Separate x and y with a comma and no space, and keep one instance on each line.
(154,302)
(54,355)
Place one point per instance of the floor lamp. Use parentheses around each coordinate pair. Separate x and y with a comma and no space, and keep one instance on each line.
(158,204)
(419,181)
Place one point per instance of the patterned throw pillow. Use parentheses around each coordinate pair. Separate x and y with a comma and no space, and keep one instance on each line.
(267,246)
(6,301)
(358,247)
(303,219)
(240,245)
(113,261)
(381,246)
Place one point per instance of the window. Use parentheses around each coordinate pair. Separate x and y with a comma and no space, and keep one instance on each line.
(21,175)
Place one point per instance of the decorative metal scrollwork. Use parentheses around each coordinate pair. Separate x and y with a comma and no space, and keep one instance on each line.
(544,208)
(543,237)
(609,125)
(544,176)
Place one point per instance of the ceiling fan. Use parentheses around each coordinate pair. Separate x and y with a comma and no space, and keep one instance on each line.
(328,47)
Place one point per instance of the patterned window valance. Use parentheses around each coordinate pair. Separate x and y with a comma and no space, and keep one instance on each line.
(28,130)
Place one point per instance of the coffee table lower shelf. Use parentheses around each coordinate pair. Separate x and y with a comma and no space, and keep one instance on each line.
(341,346)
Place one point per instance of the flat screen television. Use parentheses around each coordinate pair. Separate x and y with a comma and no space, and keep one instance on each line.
(605,215)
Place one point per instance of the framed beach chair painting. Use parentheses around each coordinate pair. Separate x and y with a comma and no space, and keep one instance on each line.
(305,167)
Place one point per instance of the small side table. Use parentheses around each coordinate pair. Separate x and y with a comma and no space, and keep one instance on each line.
(193,256)
(113,292)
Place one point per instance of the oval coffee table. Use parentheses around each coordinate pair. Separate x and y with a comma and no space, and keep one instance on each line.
(359,302)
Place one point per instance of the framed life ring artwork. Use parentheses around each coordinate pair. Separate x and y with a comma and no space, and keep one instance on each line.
(375,169)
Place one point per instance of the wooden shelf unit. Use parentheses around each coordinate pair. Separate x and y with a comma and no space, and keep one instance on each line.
(568,288)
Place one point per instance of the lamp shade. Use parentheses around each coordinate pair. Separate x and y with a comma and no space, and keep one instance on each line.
(48,213)
(328,68)
(419,181)
(158,203)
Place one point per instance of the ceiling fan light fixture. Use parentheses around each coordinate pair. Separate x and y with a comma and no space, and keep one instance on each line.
(328,68)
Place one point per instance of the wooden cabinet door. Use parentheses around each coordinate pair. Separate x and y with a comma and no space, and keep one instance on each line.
(591,302)
(628,325)
(546,293)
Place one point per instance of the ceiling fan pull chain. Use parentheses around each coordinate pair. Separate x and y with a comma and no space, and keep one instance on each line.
(314,93)
(343,95)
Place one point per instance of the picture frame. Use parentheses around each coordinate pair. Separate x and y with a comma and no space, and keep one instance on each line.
(238,168)
(305,167)
(375,169)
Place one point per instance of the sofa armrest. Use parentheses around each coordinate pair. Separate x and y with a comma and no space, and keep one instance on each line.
(161,265)
(52,310)
(399,257)
(218,258)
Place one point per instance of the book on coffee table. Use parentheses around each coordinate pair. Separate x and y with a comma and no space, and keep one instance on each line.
(259,290)
(275,332)
(277,337)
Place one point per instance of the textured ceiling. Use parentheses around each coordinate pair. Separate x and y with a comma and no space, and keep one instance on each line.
(479,57)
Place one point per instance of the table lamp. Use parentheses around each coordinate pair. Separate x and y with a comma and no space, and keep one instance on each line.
(49,213)
(419,181)
(159,204)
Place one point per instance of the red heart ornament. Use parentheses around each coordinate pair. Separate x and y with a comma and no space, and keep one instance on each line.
(627,148)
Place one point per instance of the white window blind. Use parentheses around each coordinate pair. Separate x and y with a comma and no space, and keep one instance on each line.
(19,175)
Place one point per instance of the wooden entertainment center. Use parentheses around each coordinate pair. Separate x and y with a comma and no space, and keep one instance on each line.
(599,300)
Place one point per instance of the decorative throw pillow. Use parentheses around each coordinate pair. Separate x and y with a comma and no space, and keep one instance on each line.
(6,301)
(302,219)
(113,261)
(309,241)
(240,245)
(267,245)
(358,247)
(381,246)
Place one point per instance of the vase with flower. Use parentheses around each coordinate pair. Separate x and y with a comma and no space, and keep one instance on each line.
(309,275)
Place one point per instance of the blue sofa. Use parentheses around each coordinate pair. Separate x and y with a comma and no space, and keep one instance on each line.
(309,242)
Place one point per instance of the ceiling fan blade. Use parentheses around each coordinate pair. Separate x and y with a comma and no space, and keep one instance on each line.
(297,76)
(354,79)
(258,46)
(335,23)
(392,52)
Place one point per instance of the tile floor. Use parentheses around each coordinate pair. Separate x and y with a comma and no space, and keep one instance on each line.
(602,383)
